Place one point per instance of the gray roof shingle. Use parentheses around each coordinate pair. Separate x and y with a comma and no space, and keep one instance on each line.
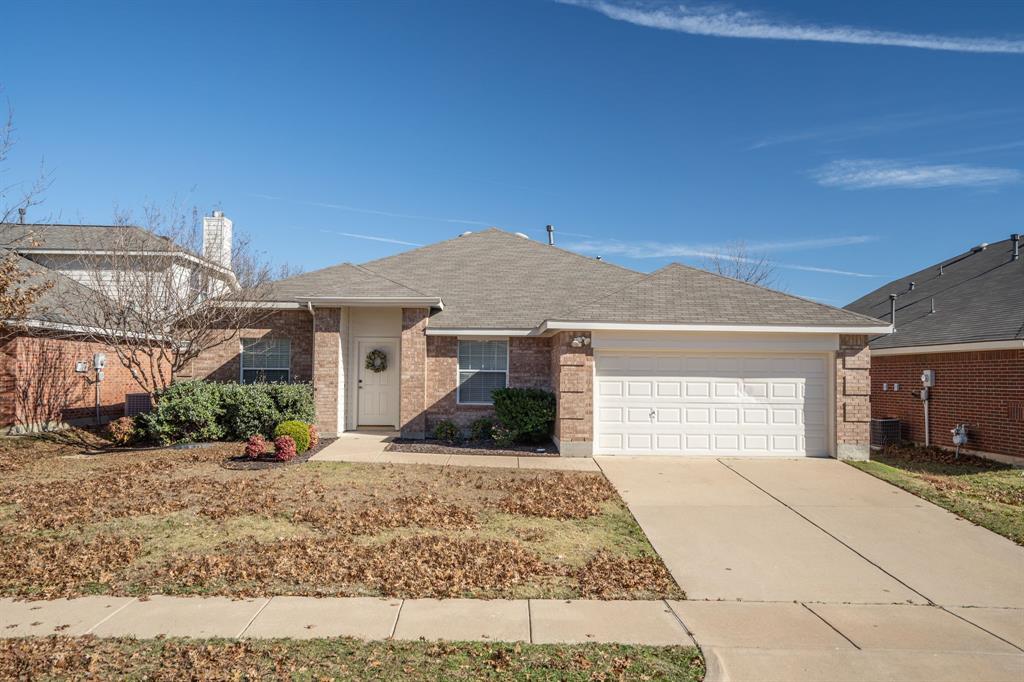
(679,294)
(978,297)
(17,236)
(52,304)
(342,280)
(499,280)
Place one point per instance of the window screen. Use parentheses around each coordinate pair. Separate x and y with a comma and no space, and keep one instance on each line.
(266,360)
(483,367)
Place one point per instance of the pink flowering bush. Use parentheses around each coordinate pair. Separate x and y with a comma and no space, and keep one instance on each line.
(255,446)
(284,447)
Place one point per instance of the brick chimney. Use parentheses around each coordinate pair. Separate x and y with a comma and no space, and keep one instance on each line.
(217,239)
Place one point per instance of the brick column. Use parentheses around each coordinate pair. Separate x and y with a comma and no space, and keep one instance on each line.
(572,380)
(853,398)
(412,417)
(326,369)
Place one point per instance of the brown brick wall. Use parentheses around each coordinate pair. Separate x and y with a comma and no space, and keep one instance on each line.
(984,389)
(39,385)
(412,413)
(326,368)
(572,378)
(529,365)
(853,395)
(222,363)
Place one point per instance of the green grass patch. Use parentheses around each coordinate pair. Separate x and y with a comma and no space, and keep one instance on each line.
(983,492)
(343,659)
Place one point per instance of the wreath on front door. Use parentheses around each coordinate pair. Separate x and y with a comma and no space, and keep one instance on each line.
(376,361)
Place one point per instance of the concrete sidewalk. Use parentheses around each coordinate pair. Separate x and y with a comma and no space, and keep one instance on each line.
(368,446)
(542,621)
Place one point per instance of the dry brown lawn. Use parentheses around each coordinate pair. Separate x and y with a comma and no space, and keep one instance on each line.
(177,522)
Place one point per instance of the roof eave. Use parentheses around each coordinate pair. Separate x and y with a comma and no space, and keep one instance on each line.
(552,326)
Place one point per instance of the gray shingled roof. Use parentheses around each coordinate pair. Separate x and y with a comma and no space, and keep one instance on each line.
(978,297)
(343,280)
(71,237)
(52,304)
(499,280)
(679,294)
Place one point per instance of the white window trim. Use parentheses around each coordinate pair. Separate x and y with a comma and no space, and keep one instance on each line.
(458,371)
(241,359)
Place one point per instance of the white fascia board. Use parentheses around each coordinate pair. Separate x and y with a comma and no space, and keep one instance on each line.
(375,301)
(280,305)
(83,329)
(555,325)
(431,331)
(1013,344)
(181,255)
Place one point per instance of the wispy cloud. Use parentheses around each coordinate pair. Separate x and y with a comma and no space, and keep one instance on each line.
(372,238)
(878,173)
(716,21)
(885,125)
(371,211)
(651,249)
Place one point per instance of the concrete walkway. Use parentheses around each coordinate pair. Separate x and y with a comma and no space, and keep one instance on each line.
(811,570)
(541,621)
(367,446)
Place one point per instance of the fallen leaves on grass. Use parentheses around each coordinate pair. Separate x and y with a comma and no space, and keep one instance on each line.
(62,567)
(936,455)
(556,495)
(422,510)
(609,576)
(424,566)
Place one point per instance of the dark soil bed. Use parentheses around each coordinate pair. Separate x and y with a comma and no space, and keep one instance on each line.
(267,461)
(436,447)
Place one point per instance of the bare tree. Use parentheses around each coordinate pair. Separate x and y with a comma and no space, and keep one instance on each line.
(18,289)
(735,260)
(156,299)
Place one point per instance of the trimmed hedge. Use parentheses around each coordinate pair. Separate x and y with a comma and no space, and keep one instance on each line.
(528,413)
(299,432)
(189,411)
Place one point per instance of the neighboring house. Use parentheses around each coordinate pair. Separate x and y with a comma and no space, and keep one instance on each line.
(962,318)
(676,362)
(47,377)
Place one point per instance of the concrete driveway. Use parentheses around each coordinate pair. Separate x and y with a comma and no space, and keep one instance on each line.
(809,569)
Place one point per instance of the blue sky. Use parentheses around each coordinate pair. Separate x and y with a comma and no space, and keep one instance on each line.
(841,138)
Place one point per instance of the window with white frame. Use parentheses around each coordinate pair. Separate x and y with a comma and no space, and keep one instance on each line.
(266,360)
(483,367)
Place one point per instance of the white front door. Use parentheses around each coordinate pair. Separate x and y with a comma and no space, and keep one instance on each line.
(377,392)
(706,404)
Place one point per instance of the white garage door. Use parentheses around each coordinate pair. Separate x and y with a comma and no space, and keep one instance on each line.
(711,405)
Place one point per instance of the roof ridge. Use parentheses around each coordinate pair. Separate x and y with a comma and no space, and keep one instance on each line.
(612,292)
(774,291)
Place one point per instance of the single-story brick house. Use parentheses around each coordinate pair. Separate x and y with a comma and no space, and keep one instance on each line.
(963,319)
(675,362)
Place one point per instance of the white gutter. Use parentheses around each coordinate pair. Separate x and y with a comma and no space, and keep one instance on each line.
(433,331)
(83,329)
(1014,344)
(283,305)
(557,325)
(369,301)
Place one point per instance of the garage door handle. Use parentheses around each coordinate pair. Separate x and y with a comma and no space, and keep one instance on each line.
(654,413)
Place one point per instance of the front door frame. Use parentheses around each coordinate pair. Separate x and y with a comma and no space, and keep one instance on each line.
(358,368)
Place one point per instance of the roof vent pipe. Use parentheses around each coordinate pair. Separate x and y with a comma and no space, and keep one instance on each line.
(932,311)
(892,311)
(912,285)
(1016,245)
(551,235)
(21,216)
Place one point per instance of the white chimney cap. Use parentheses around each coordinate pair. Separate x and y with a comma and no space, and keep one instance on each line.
(520,234)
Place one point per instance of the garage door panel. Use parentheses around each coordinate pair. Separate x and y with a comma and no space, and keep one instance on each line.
(705,405)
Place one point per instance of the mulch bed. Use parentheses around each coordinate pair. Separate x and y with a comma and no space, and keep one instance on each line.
(436,447)
(243,463)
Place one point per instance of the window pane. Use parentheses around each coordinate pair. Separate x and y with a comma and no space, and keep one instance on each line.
(266,353)
(486,355)
(253,376)
(476,387)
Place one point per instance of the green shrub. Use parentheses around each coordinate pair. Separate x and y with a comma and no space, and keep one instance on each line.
(446,431)
(529,413)
(481,428)
(186,411)
(206,410)
(248,410)
(294,402)
(502,436)
(298,431)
